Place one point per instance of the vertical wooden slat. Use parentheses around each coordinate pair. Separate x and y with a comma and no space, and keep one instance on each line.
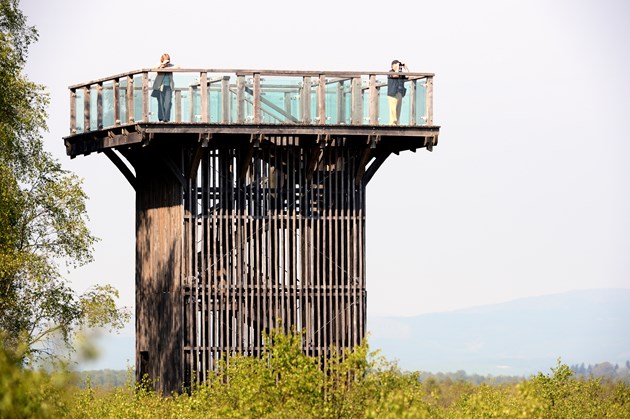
(305,100)
(116,104)
(412,102)
(130,103)
(99,105)
(321,99)
(341,103)
(256,98)
(240,99)
(357,101)
(225,99)
(203,83)
(86,109)
(429,99)
(178,105)
(145,97)
(373,100)
(73,111)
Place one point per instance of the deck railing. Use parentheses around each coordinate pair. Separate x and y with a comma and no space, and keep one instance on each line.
(250,97)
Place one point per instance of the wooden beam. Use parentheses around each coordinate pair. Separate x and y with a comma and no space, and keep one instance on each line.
(370,145)
(371,170)
(246,158)
(202,146)
(124,169)
(316,155)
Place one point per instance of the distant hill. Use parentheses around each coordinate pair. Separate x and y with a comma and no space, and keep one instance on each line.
(517,338)
(520,337)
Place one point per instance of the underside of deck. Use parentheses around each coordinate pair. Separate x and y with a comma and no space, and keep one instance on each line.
(390,139)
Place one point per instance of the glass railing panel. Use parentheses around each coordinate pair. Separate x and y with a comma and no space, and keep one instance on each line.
(184,109)
(421,102)
(284,100)
(93,108)
(108,104)
(137,97)
(280,100)
(334,103)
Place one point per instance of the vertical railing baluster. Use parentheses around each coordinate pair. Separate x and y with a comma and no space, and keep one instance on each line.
(73,111)
(116,104)
(130,101)
(225,99)
(145,97)
(99,105)
(86,108)
(412,102)
(305,100)
(321,99)
(178,105)
(203,83)
(240,99)
(256,98)
(429,100)
(357,101)
(373,100)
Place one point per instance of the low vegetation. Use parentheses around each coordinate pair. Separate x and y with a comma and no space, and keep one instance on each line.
(285,383)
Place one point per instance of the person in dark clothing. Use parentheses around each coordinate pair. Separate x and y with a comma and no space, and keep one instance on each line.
(163,89)
(396,90)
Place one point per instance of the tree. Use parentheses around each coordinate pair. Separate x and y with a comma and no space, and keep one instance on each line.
(42,217)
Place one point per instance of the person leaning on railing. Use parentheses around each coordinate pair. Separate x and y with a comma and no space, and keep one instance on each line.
(163,88)
(396,90)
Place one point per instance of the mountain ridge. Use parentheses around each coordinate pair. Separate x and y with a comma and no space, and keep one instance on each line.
(519,337)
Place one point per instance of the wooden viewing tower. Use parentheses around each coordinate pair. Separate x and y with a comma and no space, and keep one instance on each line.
(250,203)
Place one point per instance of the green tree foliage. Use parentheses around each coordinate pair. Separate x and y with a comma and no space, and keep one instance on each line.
(285,383)
(42,216)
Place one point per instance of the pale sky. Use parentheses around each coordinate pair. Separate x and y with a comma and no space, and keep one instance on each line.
(527,193)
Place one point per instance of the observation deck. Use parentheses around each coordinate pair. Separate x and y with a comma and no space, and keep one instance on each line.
(250,203)
(118,111)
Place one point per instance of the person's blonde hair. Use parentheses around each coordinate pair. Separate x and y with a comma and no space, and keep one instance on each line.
(165,57)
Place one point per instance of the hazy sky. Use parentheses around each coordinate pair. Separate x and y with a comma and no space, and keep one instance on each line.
(527,193)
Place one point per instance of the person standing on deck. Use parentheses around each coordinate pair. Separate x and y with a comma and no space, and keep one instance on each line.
(396,90)
(163,89)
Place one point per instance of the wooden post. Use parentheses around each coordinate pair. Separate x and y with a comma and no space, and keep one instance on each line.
(240,99)
(373,101)
(145,97)
(86,108)
(429,101)
(357,101)
(99,105)
(225,99)
(412,102)
(256,98)
(116,96)
(321,99)
(73,111)
(203,82)
(305,100)
(178,105)
(130,101)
